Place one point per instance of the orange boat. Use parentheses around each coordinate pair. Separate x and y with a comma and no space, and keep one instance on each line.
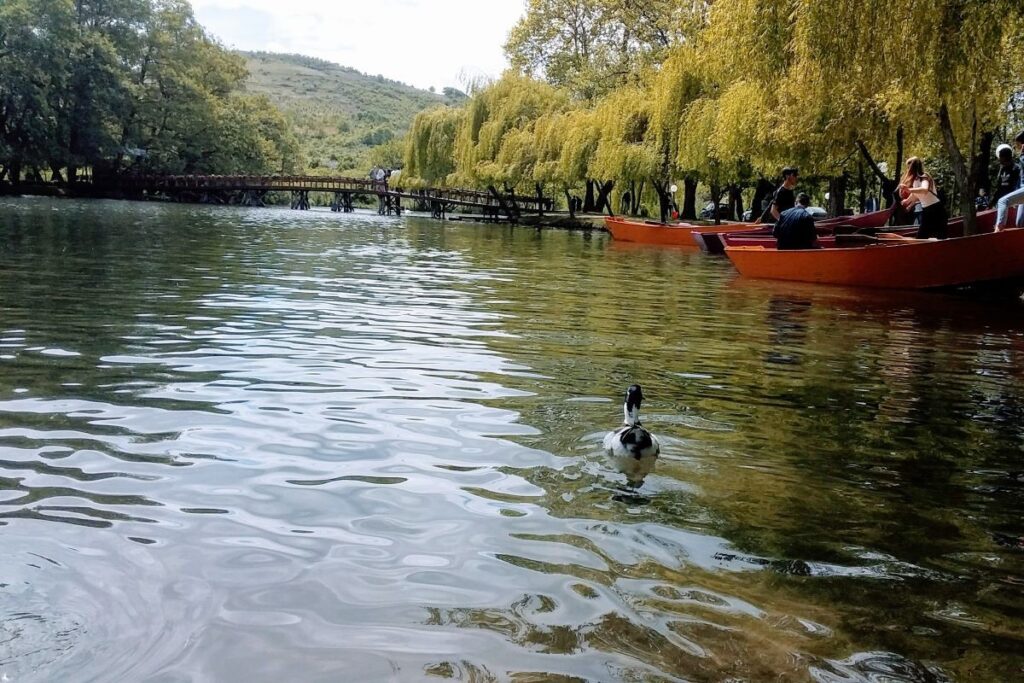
(893,264)
(650,232)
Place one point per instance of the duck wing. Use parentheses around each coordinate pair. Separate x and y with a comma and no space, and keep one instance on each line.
(637,441)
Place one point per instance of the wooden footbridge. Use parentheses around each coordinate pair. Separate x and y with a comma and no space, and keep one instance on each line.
(251,190)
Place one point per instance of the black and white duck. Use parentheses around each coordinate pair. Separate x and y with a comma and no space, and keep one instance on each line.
(632,448)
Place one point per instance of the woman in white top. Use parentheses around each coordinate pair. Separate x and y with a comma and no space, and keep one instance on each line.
(917,190)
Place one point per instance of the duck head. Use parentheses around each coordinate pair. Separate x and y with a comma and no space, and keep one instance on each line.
(631,408)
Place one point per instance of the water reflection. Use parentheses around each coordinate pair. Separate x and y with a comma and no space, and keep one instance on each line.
(788,319)
(262,445)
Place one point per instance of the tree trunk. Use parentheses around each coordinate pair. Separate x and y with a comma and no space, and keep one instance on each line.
(964,178)
(863,182)
(716,198)
(896,173)
(979,164)
(540,199)
(762,191)
(588,198)
(837,195)
(689,199)
(604,199)
(637,197)
(664,199)
(888,185)
(736,202)
(15,171)
(570,203)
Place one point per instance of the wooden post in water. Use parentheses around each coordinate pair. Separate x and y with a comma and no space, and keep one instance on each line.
(300,200)
(253,198)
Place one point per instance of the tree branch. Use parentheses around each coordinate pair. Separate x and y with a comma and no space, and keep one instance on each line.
(871,162)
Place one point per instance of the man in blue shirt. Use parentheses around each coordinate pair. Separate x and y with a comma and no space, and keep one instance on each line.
(795,227)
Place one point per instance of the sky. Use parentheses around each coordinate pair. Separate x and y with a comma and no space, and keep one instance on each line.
(420,42)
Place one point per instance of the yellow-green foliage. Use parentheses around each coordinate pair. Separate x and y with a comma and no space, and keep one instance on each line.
(429,147)
(510,103)
(627,148)
(739,86)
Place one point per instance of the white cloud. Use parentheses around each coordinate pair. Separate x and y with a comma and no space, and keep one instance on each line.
(420,42)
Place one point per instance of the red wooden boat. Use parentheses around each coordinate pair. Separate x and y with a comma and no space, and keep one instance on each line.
(745,239)
(986,222)
(650,232)
(894,264)
(713,242)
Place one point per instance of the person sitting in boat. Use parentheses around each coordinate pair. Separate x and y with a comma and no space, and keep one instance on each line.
(784,197)
(1016,196)
(795,227)
(981,201)
(918,193)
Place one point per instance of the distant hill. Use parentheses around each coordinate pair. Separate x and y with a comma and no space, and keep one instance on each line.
(339,113)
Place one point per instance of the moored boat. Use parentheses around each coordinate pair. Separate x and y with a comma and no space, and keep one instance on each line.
(766,240)
(713,242)
(894,264)
(650,232)
(986,221)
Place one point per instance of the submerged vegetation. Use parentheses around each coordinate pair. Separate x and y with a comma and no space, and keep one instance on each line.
(724,94)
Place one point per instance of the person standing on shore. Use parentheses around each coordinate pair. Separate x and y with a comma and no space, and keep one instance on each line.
(1015,197)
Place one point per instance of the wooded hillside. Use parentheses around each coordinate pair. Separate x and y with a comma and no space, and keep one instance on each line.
(340,114)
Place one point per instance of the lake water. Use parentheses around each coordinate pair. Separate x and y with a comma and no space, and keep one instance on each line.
(263,445)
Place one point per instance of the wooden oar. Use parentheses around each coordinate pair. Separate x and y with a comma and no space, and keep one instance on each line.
(855,240)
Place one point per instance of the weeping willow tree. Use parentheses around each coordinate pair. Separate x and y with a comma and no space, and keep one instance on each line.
(944,74)
(500,114)
(430,147)
(849,105)
(627,150)
(564,142)
(747,84)
(673,89)
(731,91)
(826,78)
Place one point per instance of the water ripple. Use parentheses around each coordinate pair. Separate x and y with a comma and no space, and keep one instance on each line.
(242,444)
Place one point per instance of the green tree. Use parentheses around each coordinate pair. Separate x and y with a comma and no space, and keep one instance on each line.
(127,83)
(34,68)
(391,154)
(501,114)
(592,47)
(430,147)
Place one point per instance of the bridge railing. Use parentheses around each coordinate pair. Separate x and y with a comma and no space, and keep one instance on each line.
(307,183)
